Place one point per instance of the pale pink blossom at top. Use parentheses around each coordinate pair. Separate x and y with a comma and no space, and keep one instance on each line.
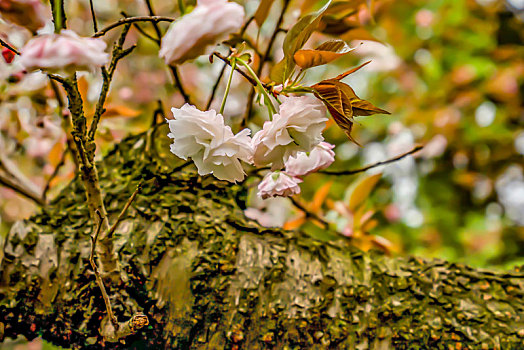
(203,137)
(306,163)
(297,127)
(278,184)
(63,53)
(195,33)
(31,14)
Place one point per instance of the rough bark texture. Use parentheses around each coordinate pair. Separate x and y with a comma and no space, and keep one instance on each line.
(208,278)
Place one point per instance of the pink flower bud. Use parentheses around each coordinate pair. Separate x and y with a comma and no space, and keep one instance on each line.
(278,184)
(63,53)
(31,14)
(303,163)
(194,33)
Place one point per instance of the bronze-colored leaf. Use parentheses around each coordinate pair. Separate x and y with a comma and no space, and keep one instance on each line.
(342,102)
(263,11)
(325,53)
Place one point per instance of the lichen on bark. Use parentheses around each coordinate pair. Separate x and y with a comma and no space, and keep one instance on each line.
(208,278)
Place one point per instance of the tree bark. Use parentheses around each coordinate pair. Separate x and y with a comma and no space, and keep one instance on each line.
(208,278)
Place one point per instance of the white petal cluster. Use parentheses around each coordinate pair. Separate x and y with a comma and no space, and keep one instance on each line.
(192,35)
(297,127)
(31,14)
(278,184)
(305,163)
(63,53)
(203,137)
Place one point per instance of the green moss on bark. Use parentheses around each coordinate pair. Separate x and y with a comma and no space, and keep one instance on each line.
(208,278)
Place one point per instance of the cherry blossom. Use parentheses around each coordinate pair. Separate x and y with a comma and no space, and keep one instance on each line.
(63,53)
(306,163)
(196,32)
(297,127)
(278,184)
(203,137)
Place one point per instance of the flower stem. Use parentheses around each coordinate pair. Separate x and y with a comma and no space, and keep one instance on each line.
(267,98)
(228,86)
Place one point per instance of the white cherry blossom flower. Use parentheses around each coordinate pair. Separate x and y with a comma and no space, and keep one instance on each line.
(297,127)
(195,33)
(306,163)
(278,184)
(63,53)
(203,137)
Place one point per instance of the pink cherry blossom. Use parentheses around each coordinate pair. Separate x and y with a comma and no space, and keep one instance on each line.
(195,33)
(278,184)
(203,137)
(297,127)
(31,14)
(63,53)
(305,163)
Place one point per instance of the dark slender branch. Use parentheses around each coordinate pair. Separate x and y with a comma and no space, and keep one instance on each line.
(152,13)
(217,82)
(172,68)
(263,60)
(4,44)
(54,174)
(215,87)
(244,74)
(180,167)
(124,210)
(18,188)
(178,82)
(107,75)
(120,22)
(273,36)
(98,277)
(93,16)
(308,213)
(356,171)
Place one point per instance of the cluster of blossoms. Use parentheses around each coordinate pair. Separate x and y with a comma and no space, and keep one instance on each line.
(292,140)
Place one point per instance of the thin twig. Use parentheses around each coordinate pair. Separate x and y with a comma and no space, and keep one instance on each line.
(356,171)
(4,44)
(176,77)
(308,213)
(172,68)
(54,174)
(267,53)
(18,188)
(124,210)
(152,13)
(120,22)
(107,75)
(98,277)
(244,74)
(93,16)
(217,82)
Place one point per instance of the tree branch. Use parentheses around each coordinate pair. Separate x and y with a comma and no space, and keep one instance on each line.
(18,188)
(4,44)
(120,22)
(308,213)
(361,170)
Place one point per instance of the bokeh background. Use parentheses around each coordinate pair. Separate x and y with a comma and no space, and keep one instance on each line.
(451,72)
